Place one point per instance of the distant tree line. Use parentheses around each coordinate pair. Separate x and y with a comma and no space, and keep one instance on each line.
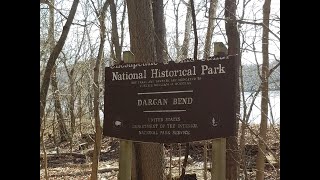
(252,80)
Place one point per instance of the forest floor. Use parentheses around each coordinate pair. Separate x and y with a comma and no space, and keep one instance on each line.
(67,165)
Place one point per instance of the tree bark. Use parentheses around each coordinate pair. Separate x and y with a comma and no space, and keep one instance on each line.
(53,57)
(176,18)
(115,36)
(149,156)
(187,32)
(194,23)
(141,29)
(96,89)
(212,15)
(160,31)
(264,91)
(232,169)
(122,23)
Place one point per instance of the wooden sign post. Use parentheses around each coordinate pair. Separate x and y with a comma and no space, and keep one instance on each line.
(218,171)
(125,156)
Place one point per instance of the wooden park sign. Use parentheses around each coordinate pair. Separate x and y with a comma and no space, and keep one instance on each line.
(171,103)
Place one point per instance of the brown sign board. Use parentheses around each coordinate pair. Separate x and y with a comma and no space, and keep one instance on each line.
(171,103)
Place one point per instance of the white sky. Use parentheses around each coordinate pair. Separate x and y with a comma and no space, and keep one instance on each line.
(253,11)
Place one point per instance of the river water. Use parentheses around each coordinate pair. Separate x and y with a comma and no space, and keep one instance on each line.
(274,108)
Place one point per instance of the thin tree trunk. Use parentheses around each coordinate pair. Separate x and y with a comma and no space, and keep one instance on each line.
(264,91)
(71,108)
(243,128)
(72,99)
(244,125)
(187,32)
(64,134)
(205,157)
(90,99)
(115,36)
(54,133)
(176,18)
(52,43)
(179,169)
(212,15)
(170,162)
(98,135)
(45,160)
(122,23)
(53,57)
(62,126)
(194,23)
(184,166)
(232,162)
(80,111)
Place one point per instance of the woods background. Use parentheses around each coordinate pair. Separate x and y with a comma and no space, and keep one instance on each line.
(78,39)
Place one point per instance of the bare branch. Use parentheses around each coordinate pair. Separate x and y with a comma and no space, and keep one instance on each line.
(273,69)
(64,16)
(253,23)
(259,138)
(95,9)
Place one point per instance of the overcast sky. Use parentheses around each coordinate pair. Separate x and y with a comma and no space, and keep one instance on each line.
(253,12)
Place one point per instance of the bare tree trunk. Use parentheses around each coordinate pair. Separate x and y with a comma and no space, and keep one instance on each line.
(62,126)
(160,31)
(187,32)
(54,132)
(64,134)
(98,135)
(185,160)
(122,23)
(45,160)
(264,91)
(53,57)
(212,15)
(71,108)
(141,28)
(90,100)
(194,23)
(243,127)
(205,158)
(115,36)
(72,98)
(71,101)
(149,156)
(232,169)
(80,113)
(176,18)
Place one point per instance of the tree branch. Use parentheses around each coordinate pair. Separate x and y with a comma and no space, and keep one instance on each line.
(257,136)
(64,16)
(253,23)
